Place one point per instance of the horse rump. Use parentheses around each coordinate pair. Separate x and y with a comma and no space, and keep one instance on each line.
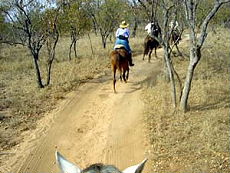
(150,43)
(119,61)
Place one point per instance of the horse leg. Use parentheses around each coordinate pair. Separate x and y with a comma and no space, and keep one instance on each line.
(120,74)
(143,57)
(124,76)
(156,52)
(114,79)
(146,50)
(127,76)
(150,52)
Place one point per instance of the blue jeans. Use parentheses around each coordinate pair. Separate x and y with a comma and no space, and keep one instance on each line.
(123,42)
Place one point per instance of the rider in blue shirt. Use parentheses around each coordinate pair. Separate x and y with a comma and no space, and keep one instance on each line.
(122,37)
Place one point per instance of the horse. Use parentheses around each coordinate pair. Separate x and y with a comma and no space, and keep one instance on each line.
(119,61)
(175,38)
(150,42)
(68,167)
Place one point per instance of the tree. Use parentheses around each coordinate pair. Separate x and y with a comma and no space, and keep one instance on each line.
(51,23)
(196,41)
(29,26)
(106,15)
(194,17)
(25,18)
(136,15)
(150,8)
(75,20)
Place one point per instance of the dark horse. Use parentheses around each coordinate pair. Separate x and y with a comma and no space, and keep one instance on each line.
(175,39)
(150,42)
(119,61)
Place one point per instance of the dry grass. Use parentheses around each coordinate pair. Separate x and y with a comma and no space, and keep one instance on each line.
(197,141)
(22,103)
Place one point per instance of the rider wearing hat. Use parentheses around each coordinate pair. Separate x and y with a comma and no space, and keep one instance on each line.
(122,36)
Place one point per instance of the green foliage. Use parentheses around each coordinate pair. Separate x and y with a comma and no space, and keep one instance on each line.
(204,8)
(106,16)
(20,19)
(5,31)
(223,15)
(110,14)
(75,16)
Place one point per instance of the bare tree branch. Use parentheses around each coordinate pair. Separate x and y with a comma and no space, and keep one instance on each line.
(206,21)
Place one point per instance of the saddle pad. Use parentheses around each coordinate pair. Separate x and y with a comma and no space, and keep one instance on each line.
(118,46)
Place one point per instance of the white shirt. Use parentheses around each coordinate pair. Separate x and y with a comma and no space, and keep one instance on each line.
(148,28)
(124,32)
(174,25)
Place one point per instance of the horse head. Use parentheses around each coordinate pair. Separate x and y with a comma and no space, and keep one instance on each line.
(68,167)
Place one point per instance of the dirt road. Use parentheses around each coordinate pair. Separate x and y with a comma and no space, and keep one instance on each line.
(95,125)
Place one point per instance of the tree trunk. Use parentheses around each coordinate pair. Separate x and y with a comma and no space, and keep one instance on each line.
(194,59)
(75,48)
(91,46)
(51,52)
(171,75)
(49,72)
(103,38)
(38,74)
(73,35)
(70,48)
(135,27)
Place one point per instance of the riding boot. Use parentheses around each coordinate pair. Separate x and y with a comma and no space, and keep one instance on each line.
(130,60)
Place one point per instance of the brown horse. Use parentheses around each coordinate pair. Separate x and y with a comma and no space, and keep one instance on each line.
(119,61)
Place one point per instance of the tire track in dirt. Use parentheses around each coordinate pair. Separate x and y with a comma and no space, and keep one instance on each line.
(96,126)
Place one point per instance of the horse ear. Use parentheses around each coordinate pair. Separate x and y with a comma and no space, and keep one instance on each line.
(136,168)
(65,165)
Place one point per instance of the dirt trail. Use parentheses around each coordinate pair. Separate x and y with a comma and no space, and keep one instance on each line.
(96,125)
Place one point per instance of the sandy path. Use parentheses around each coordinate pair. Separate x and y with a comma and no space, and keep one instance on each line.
(96,125)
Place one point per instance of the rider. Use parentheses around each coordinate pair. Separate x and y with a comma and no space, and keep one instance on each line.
(148,27)
(174,26)
(153,29)
(122,37)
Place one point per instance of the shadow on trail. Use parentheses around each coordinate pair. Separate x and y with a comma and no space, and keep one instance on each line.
(133,88)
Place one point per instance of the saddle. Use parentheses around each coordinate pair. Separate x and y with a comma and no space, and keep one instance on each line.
(119,46)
